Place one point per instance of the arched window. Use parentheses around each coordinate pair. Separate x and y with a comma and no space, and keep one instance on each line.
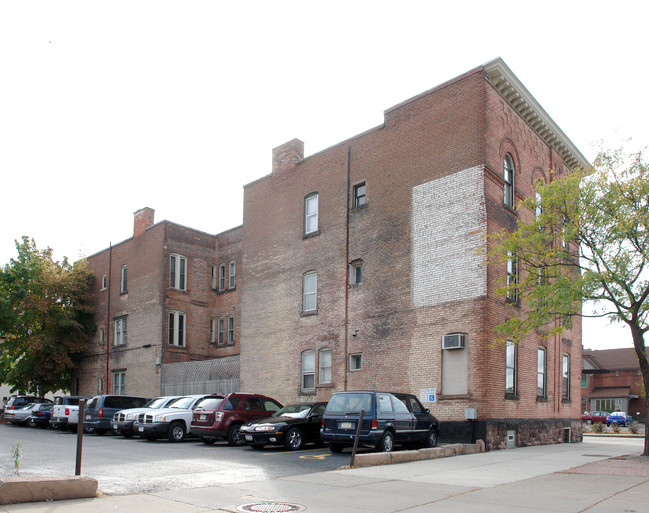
(509,181)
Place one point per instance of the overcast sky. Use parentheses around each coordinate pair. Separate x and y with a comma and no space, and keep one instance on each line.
(108,107)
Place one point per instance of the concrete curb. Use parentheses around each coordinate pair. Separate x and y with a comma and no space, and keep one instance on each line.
(388,458)
(17,489)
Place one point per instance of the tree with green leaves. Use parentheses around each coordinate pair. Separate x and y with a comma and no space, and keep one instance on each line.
(46,319)
(584,238)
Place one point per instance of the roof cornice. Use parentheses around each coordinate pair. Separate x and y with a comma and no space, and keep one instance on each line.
(521,100)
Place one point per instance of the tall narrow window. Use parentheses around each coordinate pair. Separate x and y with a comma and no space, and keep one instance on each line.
(566,377)
(231,329)
(178,272)
(309,292)
(124,280)
(510,365)
(356,272)
(215,276)
(512,277)
(509,181)
(177,328)
(212,330)
(120,331)
(308,370)
(539,206)
(311,214)
(100,386)
(221,335)
(119,382)
(101,334)
(222,277)
(233,274)
(540,373)
(359,195)
(104,282)
(324,366)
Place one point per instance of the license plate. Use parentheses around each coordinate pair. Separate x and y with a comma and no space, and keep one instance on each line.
(114,426)
(87,417)
(346,425)
(140,429)
(248,438)
(203,416)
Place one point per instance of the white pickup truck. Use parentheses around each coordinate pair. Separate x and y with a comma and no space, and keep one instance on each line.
(65,413)
(172,423)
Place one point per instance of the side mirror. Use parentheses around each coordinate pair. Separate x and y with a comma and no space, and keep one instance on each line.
(427,410)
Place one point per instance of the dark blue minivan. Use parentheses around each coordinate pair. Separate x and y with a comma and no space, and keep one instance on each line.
(389,419)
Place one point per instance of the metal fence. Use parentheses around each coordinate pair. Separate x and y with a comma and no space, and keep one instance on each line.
(220,376)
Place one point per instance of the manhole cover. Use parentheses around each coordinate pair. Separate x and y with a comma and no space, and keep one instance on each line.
(271,507)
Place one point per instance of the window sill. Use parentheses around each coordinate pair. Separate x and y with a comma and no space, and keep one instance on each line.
(307,392)
(311,234)
(359,207)
(510,210)
(184,291)
(513,302)
(218,346)
(453,397)
(566,401)
(324,385)
(180,348)
(123,293)
(354,285)
(224,291)
(512,397)
(308,313)
(540,399)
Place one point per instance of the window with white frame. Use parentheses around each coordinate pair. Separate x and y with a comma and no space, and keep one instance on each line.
(231,329)
(222,277)
(324,365)
(540,373)
(355,362)
(311,214)
(119,382)
(309,292)
(124,280)
(178,272)
(100,386)
(177,328)
(120,331)
(510,368)
(509,181)
(104,282)
(212,330)
(233,274)
(356,272)
(101,334)
(512,277)
(215,276)
(308,370)
(221,334)
(565,375)
(359,195)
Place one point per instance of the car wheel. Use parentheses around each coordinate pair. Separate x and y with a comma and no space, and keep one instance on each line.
(234,437)
(387,442)
(589,422)
(176,432)
(294,440)
(336,448)
(431,438)
(258,447)
(30,422)
(208,441)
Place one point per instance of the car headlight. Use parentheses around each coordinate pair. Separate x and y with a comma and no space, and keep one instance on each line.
(160,418)
(264,428)
(131,416)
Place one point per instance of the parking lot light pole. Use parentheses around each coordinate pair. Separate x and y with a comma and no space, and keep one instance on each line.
(82,411)
(358,434)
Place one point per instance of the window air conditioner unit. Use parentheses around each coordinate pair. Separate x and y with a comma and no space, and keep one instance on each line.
(453,341)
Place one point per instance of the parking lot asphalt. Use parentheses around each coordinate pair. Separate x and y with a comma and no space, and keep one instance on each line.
(597,475)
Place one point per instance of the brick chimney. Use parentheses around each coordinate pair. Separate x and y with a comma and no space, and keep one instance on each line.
(143,219)
(287,155)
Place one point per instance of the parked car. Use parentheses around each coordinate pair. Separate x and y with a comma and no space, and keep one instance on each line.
(40,416)
(18,401)
(389,418)
(65,414)
(594,417)
(21,415)
(171,423)
(101,408)
(292,426)
(123,420)
(218,417)
(619,418)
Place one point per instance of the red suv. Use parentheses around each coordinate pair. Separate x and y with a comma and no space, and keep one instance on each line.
(216,416)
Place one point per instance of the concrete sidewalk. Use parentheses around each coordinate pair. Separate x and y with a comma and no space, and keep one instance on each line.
(594,475)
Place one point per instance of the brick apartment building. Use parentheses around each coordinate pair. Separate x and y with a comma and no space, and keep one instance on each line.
(167,312)
(612,381)
(364,261)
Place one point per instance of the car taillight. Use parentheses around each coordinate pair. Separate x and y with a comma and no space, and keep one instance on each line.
(12,408)
(101,412)
(67,411)
(218,416)
(322,422)
(374,424)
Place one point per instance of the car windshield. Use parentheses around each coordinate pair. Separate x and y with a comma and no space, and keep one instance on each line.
(158,402)
(296,411)
(28,406)
(350,403)
(182,402)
